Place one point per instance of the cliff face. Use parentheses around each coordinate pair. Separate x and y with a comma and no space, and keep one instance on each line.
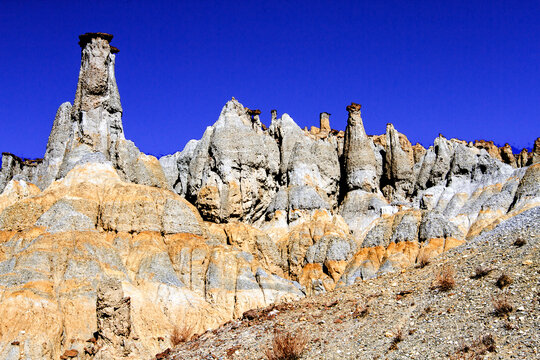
(105,250)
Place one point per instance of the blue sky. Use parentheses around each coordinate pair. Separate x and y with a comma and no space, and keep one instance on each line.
(466,69)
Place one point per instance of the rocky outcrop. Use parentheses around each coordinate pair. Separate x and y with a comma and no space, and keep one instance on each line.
(233,168)
(506,155)
(324,120)
(75,252)
(536,152)
(89,131)
(113,313)
(13,167)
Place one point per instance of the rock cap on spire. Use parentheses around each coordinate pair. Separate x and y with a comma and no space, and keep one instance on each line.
(354,107)
(87,37)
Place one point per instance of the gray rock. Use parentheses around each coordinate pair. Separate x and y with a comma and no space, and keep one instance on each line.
(379,235)
(158,267)
(406,230)
(360,208)
(63,217)
(435,225)
(179,218)
(330,248)
(92,125)
(444,152)
(246,280)
(297,198)
(528,190)
(286,133)
(233,169)
(13,167)
(399,163)
(176,167)
(359,158)
(315,163)
(56,147)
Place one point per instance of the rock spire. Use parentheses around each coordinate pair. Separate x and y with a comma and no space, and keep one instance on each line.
(360,162)
(91,129)
(97,111)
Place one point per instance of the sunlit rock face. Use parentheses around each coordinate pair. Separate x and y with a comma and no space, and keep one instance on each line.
(59,246)
(105,250)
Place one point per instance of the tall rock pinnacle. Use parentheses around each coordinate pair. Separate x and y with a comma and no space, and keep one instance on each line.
(360,162)
(399,162)
(91,129)
(97,111)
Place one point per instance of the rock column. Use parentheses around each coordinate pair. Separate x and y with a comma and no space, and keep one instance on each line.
(97,112)
(399,162)
(324,118)
(359,157)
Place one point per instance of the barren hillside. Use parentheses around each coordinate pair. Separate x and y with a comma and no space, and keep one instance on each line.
(365,320)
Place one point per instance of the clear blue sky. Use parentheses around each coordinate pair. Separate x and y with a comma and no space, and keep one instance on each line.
(467,69)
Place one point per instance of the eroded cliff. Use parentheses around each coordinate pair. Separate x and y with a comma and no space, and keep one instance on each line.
(105,250)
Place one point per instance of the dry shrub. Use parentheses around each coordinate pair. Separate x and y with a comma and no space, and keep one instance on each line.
(445,279)
(286,346)
(509,326)
(181,334)
(503,281)
(360,311)
(477,349)
(398,337)
(520,242)
(502,306)
(481,271)
(423,260)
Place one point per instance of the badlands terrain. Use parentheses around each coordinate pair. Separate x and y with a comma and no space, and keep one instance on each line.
(252,231)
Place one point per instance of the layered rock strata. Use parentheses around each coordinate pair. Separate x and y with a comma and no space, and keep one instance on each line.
(61,249)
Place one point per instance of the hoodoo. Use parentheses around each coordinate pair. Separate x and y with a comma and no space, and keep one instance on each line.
(91,129)
(359,158)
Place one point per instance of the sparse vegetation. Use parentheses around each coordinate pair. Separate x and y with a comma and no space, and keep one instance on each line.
(502,306)
(503,281)
(520,242)
(477,349)
(360,311)
(181,334)
(509,326)
(286,346)
(445,279)
(422,260)
(398,337)
(481,271)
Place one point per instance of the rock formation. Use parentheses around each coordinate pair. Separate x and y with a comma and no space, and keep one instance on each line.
(91,130)
(324,120)
(359,159)
(104,250)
